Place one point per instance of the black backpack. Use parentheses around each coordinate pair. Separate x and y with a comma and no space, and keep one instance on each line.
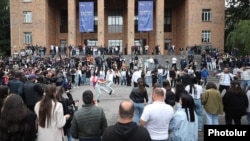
(170,98)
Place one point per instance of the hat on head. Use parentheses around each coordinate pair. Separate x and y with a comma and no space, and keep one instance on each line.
(32,76)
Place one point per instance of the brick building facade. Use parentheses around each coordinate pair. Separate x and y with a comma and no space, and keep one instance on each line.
(184,23)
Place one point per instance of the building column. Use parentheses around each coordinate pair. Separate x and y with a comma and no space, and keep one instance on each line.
(100,13)
(159,37)
(72,22)
(131,29)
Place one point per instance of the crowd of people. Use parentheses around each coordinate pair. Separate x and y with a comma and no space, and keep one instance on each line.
(39,89)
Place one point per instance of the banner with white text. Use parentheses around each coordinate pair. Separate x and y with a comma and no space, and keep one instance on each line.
(86,16)
(145,15)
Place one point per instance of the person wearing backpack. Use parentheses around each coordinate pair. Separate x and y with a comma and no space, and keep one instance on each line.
(170,95)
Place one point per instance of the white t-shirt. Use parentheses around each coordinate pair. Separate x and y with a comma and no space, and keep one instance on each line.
(157,122)
(174,60)
(197,89)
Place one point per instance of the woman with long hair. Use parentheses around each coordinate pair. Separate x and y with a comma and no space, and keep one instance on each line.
(50,116)
(195,91)
(235,103)
(139,96)
(17,122)
(184,124)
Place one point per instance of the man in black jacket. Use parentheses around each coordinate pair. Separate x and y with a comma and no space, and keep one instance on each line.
(33,92)
(125,128)
(16,85)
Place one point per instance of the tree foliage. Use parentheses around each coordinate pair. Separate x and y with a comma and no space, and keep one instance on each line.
(239,37)
(236,11)
(4,28)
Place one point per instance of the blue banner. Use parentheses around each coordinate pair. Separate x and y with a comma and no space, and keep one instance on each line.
(86,16)
(145,15)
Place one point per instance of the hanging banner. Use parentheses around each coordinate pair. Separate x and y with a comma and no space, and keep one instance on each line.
(145,15)
(86,16)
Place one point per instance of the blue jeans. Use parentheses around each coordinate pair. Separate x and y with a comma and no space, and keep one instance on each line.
(138,112)
(245,84)
(212,119)
(94,139)
(160,80)
(148,79)
(83,78)
(87,81)
(69,136)
(99,92)
(123,80)
(199,112)
(109,84)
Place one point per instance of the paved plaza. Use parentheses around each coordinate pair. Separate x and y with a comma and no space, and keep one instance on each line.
(110,103)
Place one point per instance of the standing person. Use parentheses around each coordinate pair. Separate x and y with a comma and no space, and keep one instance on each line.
(88,75)
(174,61)
(128,76)
(172,75)
(212,101)
(225,79)
(66,103)
(136,75)
(50,116)
(32,92)
(195,91)
(89,121)
(184,124)
(235,103)
(125,128)
(17,127)
(154,76)
(139,96)
(170,95)
(153,118)
(204,75)
(16,85)
(109,80)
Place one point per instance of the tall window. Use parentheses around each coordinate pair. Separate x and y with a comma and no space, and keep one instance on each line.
(92,42)
(27,16)
(115,21)
(115,43)
(64,21)
(206,15)
(27,37)
(168,20)
(206,36)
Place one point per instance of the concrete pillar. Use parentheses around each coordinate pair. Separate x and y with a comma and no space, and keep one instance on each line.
(72,22)
(131,30)
(159,37)
(101,25)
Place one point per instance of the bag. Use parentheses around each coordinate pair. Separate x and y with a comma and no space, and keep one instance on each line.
(170,98)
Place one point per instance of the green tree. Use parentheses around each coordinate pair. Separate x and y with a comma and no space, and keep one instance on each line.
(4,28)
(236,10)
(239,37)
